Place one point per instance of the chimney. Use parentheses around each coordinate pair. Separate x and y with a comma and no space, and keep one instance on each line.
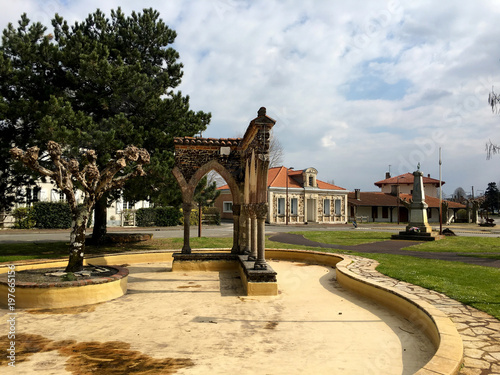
(357,194)
(387,175)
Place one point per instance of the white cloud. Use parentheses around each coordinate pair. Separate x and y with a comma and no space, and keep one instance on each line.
(297,58)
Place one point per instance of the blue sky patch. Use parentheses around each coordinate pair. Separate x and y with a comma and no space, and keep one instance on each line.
(375,88)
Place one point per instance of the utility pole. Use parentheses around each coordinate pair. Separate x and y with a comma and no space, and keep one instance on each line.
(440,197)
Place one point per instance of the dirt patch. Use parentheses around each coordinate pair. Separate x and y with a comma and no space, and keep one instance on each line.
(100,358)
(40,275)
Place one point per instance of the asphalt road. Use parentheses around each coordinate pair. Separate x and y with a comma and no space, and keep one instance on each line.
(225,230)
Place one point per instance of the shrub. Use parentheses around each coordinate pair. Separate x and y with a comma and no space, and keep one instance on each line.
(145,217)
(167,216)
(159,216)
(193,218)
(23,217)
(52,215)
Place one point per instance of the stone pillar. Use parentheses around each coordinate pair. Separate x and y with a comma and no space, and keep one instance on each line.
(186,208)
(236,228)
(261,213)
(253,232)
(244,240)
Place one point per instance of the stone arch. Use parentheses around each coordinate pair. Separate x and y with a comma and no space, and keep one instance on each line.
(214,165)
(243,163)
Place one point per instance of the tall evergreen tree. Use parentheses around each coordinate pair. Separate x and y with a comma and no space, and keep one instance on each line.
(492,197)
(100,84)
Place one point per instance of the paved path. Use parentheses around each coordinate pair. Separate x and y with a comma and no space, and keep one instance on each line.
(480,332)
(386,247)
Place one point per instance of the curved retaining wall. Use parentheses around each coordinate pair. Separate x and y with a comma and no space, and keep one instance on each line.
(434,323)
(63,294)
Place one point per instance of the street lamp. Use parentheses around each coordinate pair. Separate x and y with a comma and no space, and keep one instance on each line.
(287,213)
(397,195)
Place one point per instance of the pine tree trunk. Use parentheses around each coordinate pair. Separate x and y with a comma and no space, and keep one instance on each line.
(100,221)
(77,240)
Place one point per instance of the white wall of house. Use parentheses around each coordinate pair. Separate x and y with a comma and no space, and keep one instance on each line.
(307,205)
(118,214)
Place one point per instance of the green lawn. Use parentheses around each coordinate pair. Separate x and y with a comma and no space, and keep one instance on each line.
(473,285)
(349,238)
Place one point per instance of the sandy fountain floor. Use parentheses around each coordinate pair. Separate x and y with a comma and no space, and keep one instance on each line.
(200,323)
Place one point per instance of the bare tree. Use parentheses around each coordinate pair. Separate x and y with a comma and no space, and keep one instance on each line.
(276,152)
(493,101)
(68,176)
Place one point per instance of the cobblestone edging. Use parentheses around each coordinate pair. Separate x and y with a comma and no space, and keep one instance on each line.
(121,273)
(480,332)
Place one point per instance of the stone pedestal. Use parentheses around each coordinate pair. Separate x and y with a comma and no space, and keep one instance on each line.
(418,228)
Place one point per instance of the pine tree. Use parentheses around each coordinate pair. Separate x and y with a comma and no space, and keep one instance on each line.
(101,84)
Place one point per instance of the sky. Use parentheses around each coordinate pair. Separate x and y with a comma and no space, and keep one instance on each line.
(358,88)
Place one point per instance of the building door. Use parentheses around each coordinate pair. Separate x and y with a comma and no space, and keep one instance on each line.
(311,210)
(403,214)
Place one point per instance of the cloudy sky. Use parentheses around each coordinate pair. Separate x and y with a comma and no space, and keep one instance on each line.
(357,87)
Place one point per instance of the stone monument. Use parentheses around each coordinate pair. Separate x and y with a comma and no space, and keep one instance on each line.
(418,228)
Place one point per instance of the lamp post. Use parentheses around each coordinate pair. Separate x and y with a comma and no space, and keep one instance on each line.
(287,210)
(397,195)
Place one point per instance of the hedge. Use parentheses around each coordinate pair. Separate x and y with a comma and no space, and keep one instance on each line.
(158,216)
(52,215)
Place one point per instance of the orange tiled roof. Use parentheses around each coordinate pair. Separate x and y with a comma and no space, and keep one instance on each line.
(406,179)
(277,178)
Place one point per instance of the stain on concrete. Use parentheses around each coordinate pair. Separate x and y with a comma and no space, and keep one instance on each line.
(66,310)
(271,325)
(99,358)
(188,286)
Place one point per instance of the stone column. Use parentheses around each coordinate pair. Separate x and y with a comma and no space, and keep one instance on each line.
(253,232)
(261,213)
(244,241)
(186,208)
(236,228)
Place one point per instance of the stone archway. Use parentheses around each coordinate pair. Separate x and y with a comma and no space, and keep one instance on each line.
(243,163)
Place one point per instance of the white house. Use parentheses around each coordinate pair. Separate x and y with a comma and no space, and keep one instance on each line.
(120,213)
(309,200)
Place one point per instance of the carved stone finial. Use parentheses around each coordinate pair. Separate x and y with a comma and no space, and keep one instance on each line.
(262,111)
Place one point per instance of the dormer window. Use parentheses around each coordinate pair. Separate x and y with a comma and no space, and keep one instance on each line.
(309,177)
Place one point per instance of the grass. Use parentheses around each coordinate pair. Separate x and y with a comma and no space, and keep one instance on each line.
(473,285)
(349,238)
(459,244)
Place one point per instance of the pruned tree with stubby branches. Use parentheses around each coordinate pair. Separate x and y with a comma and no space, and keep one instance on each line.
(493,101)
(69,175)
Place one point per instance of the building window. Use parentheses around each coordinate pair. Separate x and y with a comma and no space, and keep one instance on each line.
(338,207)
(294,206)
(374,212)
(281,206)
(385,212)
(227,207)
(311,181)
(429,213)
(326,207)
(128,205)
